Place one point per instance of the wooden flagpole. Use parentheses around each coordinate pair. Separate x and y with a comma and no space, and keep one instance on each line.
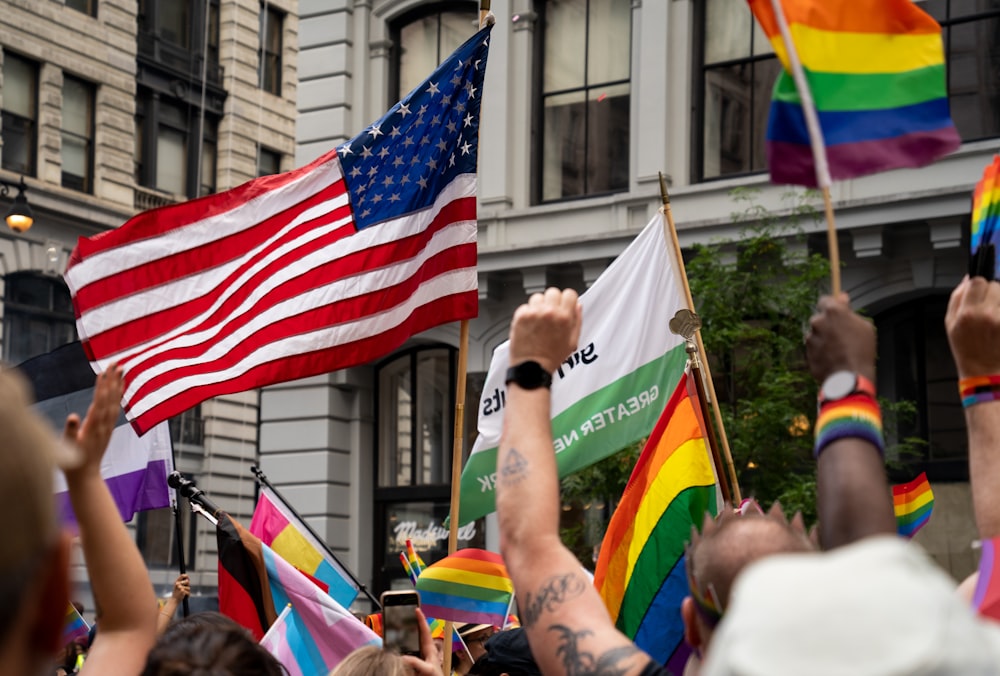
(459,430)
(823,179)
(720,428)
(456,465)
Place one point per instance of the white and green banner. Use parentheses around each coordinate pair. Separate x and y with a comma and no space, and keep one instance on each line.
(610,392)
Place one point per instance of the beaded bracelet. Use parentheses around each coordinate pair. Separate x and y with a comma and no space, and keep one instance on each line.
(979,389)
(857,416)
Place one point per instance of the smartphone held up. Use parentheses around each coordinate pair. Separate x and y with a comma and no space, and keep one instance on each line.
(399,622)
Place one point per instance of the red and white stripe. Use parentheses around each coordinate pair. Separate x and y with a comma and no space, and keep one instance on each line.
(266,283)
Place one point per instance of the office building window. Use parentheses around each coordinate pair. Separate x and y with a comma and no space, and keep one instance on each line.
(737,74)
(425,38)
(20,114)
(268,162)
(585,98)
(738,70)
(271,24)
(88,7)
(37,315)
(77,134)
(971,32)
(170,157)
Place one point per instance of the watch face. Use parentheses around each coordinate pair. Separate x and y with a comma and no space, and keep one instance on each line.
(838,385)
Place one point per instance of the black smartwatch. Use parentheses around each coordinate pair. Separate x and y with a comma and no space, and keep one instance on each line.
(529,375)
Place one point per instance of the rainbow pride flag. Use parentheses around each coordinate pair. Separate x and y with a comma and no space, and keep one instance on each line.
(913,503)
(280,530)
(876,71)
(985,240)
(471,585)
(640,572)
(74,627)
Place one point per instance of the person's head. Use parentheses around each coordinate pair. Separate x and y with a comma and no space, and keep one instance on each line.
(507,653)
(876,607)
(34,559)
(372,661)
(475,636)
(209,644)
(716,556)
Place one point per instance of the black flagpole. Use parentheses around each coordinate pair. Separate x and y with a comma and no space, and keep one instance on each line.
(180,551)
(263,480)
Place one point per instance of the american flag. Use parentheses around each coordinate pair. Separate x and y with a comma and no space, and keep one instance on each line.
(317,269)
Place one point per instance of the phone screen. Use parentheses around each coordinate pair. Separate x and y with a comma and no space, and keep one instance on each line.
(399,622)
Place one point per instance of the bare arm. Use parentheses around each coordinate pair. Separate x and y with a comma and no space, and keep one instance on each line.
(182,589)
(567,624)
(116,569)
(973,325)
(853,494)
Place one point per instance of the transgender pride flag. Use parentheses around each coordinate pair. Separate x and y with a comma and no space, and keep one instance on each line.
(134,468)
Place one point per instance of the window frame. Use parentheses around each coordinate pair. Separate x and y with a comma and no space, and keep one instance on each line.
(30,167)
(89,10)
(414,15)
(537,184)
(149,120)
(269,17)
(701,69)
(12,311)
(263,151)
(87,185)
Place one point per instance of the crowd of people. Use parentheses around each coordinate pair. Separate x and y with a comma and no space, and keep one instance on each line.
(765,598)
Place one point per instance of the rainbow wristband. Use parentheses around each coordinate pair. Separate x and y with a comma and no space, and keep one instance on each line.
(979,389)
(855,417)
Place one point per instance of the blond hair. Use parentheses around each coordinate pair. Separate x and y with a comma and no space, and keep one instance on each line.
(371,661)
(26,467)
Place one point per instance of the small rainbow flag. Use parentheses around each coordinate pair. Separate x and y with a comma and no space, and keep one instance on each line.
(985,216)
(640,572)
(471,585)
(876,72)
(912,502)
(416,563)
(74,627)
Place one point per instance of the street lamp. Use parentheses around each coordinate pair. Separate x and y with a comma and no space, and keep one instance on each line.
(19,217)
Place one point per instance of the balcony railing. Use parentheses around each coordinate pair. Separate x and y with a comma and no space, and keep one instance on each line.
(147,198)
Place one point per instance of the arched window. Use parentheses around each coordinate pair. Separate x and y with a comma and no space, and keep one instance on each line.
(415,396)
(915,364)
(37,315)
(424,38)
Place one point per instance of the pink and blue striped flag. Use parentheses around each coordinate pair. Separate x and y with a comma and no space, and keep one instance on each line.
(471,585)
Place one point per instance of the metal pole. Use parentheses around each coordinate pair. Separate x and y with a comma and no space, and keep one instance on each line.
(262,478)
(180,552)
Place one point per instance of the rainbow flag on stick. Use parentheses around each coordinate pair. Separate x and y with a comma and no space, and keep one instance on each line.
(471,585)
(913,503)
(874,73)
(75,627)
(640,572)
(985,216)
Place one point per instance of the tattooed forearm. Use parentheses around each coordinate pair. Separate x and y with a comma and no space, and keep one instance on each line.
(515,468)
(614,662)
(557,589)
